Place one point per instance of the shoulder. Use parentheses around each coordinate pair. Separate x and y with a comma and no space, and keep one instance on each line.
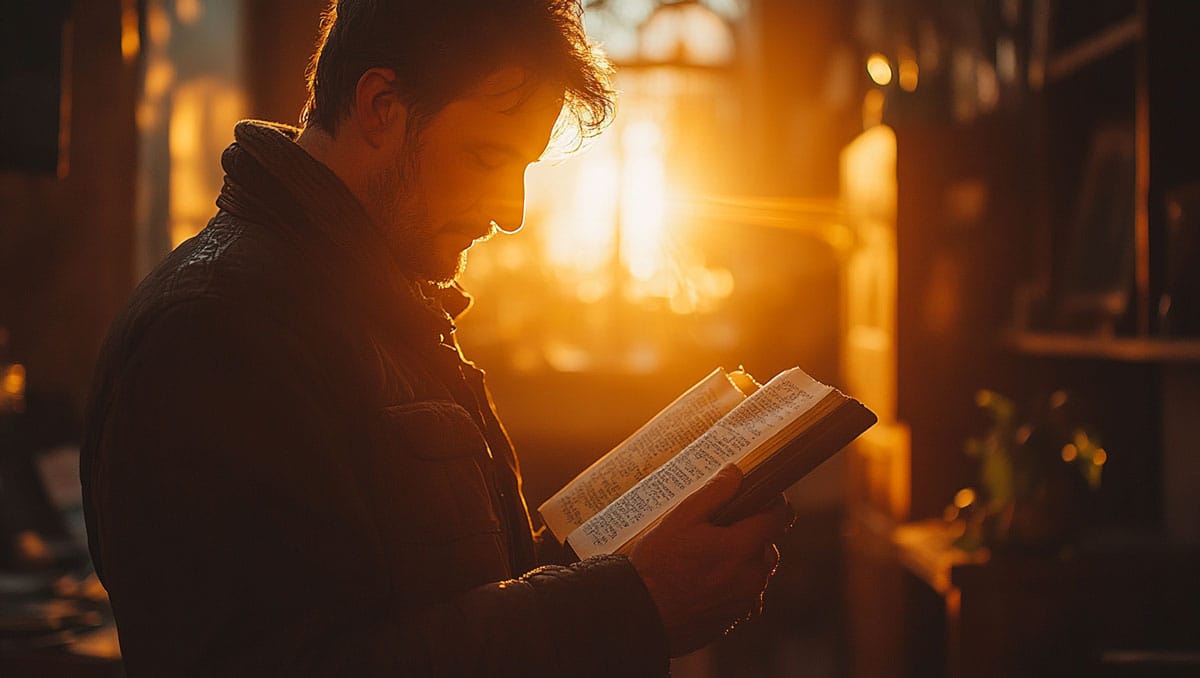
(236,263)
(236,281)
(229,295)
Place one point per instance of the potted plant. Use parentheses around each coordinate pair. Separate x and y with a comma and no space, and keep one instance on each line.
(1037,471)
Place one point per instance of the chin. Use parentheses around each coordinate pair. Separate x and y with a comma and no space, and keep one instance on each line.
(433,262)
(445,272)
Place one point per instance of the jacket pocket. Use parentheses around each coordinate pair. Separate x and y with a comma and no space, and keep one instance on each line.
(431,486)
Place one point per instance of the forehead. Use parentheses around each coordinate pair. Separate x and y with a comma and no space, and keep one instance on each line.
(506,108)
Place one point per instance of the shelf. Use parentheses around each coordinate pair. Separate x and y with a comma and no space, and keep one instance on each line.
(1126,349)
(1090,50)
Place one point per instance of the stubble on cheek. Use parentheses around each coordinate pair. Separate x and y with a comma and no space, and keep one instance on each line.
(403,217)
(403,223)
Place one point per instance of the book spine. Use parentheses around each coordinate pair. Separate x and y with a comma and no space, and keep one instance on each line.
(797,459)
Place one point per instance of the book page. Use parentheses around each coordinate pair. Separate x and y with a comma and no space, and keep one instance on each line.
(649,447)
(756,421)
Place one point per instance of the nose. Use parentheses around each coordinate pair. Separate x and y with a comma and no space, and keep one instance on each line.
(507,208)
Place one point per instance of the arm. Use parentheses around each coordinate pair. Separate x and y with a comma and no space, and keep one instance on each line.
(235,539)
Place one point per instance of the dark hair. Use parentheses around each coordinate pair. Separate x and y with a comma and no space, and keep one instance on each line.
(439,49)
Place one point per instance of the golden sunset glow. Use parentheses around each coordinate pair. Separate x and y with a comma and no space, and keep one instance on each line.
(869,174)
(583,244)
(311,311)
(609,224)
(158,24)
(879,69)
(202,113)
(643,201)
(13,381)
(964,498)
(189,11)
(909,74)
(131,41)
(687,32)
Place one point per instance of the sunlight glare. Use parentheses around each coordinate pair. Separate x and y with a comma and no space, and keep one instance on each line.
(689,33)
(643,203)
(580,243)
(869,173)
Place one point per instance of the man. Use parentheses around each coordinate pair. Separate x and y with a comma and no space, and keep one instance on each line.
(290,468)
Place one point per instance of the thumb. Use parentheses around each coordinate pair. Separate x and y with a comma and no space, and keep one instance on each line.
(701,505)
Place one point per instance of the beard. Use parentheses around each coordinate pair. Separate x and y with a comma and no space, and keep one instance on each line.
(400,210)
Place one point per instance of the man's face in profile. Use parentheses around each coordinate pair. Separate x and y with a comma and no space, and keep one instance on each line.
(463,173)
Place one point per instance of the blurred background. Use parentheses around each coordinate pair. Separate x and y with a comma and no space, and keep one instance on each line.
(980,217)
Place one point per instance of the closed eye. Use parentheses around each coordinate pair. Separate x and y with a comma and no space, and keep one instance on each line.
(492,156)
(488,161)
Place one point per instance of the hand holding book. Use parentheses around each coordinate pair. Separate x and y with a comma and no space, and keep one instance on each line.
(702,577)
(689,495)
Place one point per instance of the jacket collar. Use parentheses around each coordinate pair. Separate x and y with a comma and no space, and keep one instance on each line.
(271,179)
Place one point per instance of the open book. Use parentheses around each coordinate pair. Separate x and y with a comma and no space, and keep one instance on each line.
(776,433)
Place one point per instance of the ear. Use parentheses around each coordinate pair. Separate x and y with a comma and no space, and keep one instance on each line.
(379,112)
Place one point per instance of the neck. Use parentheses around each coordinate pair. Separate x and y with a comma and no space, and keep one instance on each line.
(338,155)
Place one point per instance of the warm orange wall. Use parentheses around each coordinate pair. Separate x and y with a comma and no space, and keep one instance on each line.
(280,36)
(66,244)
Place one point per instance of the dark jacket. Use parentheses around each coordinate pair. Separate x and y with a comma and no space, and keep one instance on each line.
(290,469)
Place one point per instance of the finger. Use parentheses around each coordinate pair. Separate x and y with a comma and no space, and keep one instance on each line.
(771,558)
(750,587)
(783,512)
(770,564)
(702,504)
